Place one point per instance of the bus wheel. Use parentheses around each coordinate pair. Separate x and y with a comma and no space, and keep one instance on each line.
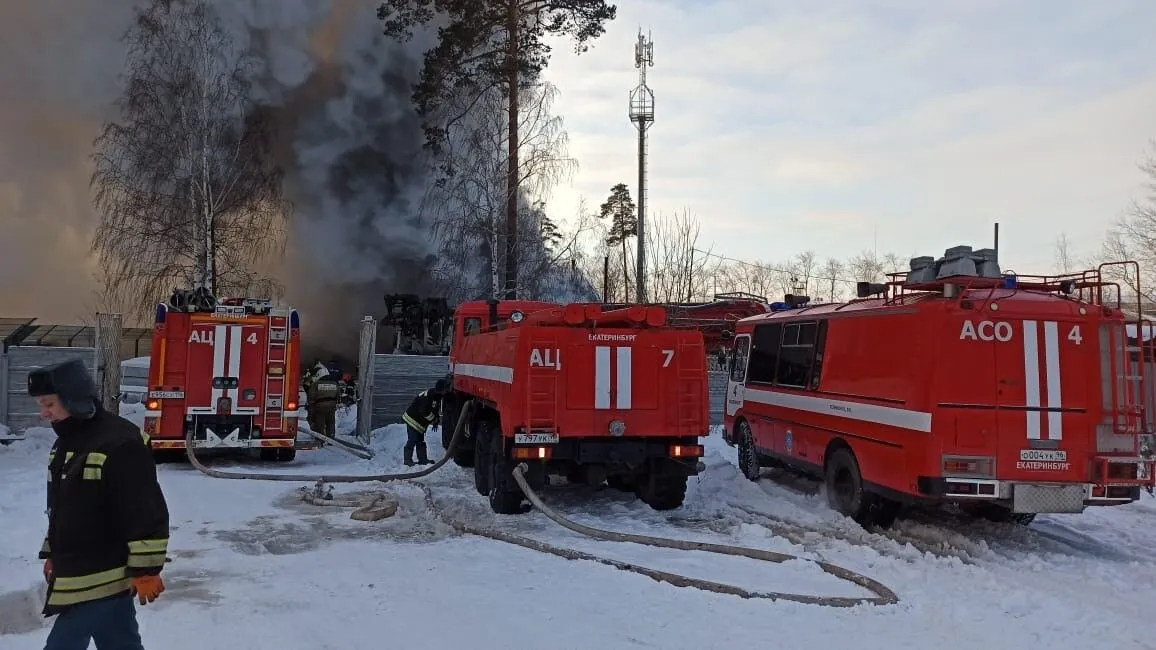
(846,495)
(748,456)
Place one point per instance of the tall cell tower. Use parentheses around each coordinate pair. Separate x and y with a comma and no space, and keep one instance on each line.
(642,115)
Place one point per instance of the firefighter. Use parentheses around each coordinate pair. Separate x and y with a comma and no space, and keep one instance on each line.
(322,396)
(423,412)
(314,375)
(108,523)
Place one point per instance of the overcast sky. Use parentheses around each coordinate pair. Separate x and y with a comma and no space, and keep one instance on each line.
(791,125)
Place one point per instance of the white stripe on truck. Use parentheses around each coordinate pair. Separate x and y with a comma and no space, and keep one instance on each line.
(1032,379)
(1052,370)
(624,379)
(602,377)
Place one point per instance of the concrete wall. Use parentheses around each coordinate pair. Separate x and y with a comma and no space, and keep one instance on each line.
(17,409)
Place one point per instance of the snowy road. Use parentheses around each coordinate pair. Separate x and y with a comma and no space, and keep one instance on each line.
(255,568)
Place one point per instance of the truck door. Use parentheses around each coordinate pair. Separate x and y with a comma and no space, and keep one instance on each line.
(1043,375)
(248,351)
(206,360)
(737,382)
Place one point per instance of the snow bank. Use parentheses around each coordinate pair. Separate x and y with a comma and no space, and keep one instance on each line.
(254,567)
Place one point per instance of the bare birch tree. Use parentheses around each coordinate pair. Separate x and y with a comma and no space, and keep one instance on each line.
(1133,237)
(1063,254)
(678,269)
(184,184)
(831,275)
(467,208)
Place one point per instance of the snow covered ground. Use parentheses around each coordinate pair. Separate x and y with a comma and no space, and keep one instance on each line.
(252,567)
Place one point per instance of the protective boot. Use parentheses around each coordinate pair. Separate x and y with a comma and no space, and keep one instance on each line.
(407,454)
(422,458)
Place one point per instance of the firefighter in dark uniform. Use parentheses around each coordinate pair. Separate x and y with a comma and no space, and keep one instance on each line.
(423,412)
(108,523)
(322,396)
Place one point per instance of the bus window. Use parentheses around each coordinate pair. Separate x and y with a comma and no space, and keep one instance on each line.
(764,353)
(739,359)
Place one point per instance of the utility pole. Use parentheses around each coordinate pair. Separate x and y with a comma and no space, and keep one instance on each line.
(642,115)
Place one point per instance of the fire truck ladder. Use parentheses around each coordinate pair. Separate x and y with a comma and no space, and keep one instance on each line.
(275,384)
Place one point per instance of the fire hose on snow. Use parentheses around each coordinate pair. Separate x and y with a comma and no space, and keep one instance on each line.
(380,507)
(364,453)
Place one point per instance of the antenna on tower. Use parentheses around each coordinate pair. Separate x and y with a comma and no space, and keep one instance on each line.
(642,115)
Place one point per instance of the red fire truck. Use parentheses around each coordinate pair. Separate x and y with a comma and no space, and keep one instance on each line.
(578,392)
(1006,395)
(227,370)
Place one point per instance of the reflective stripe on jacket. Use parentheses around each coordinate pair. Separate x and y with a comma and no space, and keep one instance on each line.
(423,411)
(108,521)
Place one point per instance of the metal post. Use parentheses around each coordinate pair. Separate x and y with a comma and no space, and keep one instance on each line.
(4,385)
(642,115)
(996,244)
(365,374)
(606,279)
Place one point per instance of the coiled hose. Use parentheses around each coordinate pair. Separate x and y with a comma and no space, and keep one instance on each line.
(882,594)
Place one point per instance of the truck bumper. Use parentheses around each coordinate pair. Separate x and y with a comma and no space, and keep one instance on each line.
(625,452)
(1028,497)
(229,443)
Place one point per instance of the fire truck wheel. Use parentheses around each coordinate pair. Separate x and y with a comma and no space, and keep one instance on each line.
(505,495)
(451,410)
(464,454)
(663,488)
(483,431)
(748,457)
(845,492)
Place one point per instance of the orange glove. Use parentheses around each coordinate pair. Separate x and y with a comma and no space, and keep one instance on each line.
(48,570)
(147,588)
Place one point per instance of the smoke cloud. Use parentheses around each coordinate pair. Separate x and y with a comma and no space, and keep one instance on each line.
(58,65)
(349,141)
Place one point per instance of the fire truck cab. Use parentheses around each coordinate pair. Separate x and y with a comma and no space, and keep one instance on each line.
(228,371)
(577,392)
(952,382)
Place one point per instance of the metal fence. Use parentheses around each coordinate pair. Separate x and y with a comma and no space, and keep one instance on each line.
(397,378)
(17,409)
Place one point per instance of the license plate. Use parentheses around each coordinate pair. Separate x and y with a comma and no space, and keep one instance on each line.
(166,394)
(535,438)
(1044,455)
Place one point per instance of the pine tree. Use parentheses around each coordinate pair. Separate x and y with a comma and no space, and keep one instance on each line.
(481,44)
(619,207)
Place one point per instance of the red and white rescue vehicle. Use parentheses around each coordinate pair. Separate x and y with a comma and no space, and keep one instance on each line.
(578,392)
(1007,395)
(227,371)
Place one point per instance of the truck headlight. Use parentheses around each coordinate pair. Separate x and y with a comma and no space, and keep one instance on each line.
(617,427)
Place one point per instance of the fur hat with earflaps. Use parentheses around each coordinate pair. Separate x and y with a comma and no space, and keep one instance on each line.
(71,382)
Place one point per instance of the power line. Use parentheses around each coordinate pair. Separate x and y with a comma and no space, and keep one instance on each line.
(764,267)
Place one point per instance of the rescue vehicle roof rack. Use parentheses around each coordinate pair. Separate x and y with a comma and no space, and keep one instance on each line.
(200,300)
(739,295)
(962,269)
